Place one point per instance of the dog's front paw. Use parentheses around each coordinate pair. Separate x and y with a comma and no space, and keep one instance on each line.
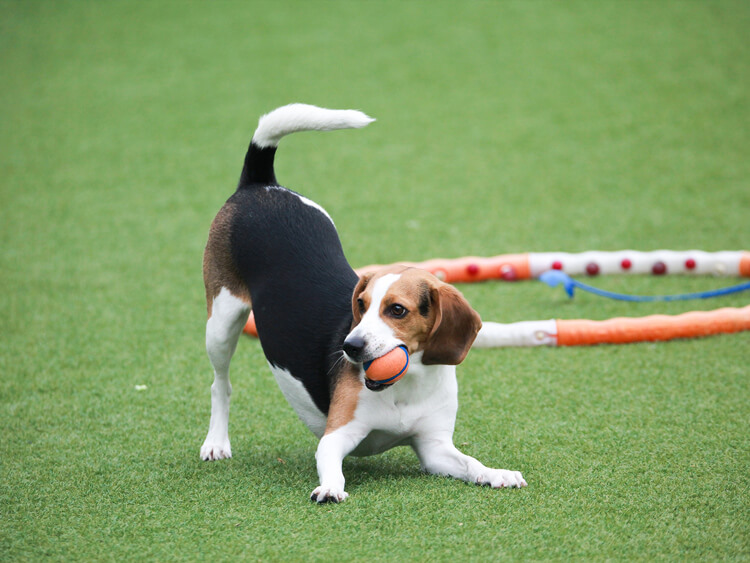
(501,478)
(328,494)
(212,450)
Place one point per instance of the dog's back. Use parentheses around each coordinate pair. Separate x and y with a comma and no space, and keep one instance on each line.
(281,252)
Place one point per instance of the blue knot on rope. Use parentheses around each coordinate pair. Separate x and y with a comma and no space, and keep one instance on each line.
(553,278)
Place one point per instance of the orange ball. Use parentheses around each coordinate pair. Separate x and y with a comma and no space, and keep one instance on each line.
(390,367)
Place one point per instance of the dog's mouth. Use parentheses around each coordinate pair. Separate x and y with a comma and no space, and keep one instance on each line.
(371,384)
(376,385)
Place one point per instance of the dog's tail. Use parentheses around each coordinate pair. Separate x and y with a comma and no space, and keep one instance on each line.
(258,168)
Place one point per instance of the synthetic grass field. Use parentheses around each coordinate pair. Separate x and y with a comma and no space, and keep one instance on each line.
(502,127)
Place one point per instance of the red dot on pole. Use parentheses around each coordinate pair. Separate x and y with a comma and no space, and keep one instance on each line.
(508,272)
(659,268)
(472,269)
(626,264)
(557,265)
(592,268)
(690,264)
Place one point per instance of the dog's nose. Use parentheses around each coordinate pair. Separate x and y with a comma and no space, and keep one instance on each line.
(354,346)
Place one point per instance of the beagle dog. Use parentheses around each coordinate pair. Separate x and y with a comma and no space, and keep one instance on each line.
(278,252)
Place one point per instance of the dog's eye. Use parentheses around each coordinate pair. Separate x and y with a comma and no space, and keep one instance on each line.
(361,305)
(398,311)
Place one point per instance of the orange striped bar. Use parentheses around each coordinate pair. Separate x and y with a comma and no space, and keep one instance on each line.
(250,327)
(745,265)
(653,328)
(508,267)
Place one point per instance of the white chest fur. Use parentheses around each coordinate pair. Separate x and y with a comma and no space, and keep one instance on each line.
(424,400)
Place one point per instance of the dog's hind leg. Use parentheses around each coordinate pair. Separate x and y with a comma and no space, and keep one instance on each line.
(228,316)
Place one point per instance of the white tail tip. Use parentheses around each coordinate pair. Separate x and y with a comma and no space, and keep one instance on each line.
(303,117)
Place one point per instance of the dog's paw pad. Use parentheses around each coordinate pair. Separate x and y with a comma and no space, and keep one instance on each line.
(212,451)
(322,495)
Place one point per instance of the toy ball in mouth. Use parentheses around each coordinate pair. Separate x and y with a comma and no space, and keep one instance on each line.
(388,368)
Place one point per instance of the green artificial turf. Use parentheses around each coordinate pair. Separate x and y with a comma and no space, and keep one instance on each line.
(502,127)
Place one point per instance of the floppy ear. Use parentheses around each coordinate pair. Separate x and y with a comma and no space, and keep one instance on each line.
(361,285)
(456,326)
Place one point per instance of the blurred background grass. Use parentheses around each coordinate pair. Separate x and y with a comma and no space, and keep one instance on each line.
(502,127)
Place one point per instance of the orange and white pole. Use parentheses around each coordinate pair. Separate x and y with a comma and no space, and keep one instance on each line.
(621,330)
(514,267)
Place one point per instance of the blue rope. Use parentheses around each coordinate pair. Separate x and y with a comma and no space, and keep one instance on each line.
(554,278)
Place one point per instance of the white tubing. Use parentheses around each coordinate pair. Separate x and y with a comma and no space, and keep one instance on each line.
(725,263)
(527,333)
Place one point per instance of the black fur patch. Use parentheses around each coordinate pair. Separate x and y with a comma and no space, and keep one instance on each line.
(289,256)
(424,301)
(258,168)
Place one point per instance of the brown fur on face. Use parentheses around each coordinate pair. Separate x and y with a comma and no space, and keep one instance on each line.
(439,322)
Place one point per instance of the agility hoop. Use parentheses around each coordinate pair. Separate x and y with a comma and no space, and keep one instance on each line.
(514,267)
